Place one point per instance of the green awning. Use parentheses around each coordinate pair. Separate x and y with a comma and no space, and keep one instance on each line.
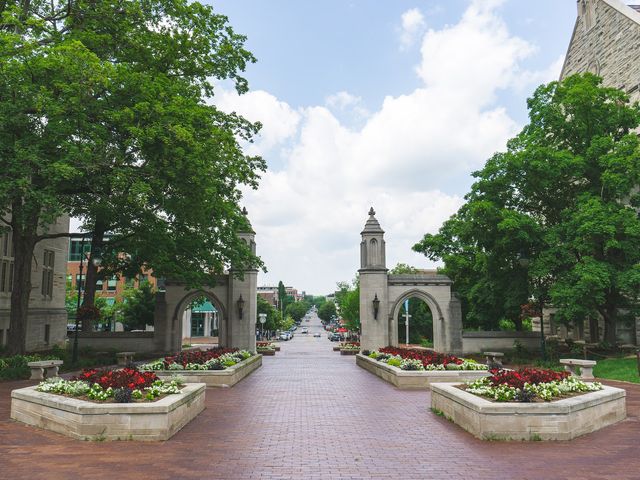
(206,307)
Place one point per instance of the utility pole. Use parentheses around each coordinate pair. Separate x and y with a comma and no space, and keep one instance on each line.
(406,321)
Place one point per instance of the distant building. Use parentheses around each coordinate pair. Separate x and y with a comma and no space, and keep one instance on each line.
(47,318)
(270,294)
(112,288)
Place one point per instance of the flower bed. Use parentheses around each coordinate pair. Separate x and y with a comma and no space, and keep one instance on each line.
(347,345)
(417,369)
(120,386)
(420,360)
(553,419)
(104,420)
(217,367)
(212,359)
(528,385)
(266,348)
(350,348)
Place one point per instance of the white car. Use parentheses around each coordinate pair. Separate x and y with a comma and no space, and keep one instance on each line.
(316,335)
(285,336)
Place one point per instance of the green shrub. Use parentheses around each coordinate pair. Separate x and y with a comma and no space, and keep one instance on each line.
(394,362)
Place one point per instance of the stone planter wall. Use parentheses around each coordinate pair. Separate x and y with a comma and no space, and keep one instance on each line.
(415,380)
(216,378)
(349,352)
(86,420)
(267,353)
(559,420)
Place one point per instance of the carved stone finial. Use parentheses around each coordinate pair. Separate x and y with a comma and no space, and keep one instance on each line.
(244,211)
(372,212)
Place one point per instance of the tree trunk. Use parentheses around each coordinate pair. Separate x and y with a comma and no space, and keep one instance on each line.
(24,241)
(610,319)
(92,275)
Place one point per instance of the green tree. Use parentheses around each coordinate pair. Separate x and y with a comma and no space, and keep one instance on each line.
(138,306)
(274,319)
(348,300)
(297,310)
(561,197)
(106,119)
(327,311)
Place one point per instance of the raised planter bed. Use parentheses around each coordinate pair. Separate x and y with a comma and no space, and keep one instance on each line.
(84,420)
(556,420)
(266,352)
(336,348)
(216,378)
(416,380)
(348,351)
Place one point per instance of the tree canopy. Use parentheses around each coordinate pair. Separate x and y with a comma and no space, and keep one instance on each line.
(553,217)
(105,115)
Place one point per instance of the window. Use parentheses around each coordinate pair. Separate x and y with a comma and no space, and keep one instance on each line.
(6,262)
(47,273)
(2,342)
(111,284)
(99,285)
(76,249)
(47,333)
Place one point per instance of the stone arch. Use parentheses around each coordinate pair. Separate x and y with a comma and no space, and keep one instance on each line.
(426,297)
(382,295)
(190,296)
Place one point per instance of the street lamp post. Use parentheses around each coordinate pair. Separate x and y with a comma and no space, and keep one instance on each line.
(96,260)
(263,319)
(406,321)
(74,357)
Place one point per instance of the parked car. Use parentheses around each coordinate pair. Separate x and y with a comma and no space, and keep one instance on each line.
(304,330)
(335,337)
(285,336)
(316,335)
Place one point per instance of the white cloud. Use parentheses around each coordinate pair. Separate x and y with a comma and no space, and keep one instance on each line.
(411,159)
(412,25)
(279,120)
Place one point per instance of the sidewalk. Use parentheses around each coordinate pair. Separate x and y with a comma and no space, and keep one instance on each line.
(310,413)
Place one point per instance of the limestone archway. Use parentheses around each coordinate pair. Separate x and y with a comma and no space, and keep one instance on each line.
(185,303)
(382,295)
(234,296)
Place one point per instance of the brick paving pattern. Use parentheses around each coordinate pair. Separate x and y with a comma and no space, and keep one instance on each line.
(310,413)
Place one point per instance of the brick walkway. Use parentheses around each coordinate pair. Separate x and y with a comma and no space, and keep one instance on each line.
(310,413)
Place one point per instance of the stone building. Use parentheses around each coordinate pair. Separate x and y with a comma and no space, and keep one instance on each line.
(47,320)
(606,42)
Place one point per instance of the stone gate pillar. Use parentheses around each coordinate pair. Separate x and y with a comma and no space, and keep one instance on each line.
(373,286)
(241,326)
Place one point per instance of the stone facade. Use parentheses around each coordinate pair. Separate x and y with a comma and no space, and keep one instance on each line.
(605,42)
(47,320)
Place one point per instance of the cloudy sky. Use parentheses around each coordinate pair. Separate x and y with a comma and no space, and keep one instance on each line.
(390,104)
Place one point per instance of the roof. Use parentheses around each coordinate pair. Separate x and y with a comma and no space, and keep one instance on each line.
(635,7)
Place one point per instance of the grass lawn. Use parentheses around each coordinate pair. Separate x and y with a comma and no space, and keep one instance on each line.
(618,369)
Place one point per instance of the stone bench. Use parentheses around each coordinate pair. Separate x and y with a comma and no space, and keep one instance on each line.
(125,358)
(44,369)
(586,367)
(493,359)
